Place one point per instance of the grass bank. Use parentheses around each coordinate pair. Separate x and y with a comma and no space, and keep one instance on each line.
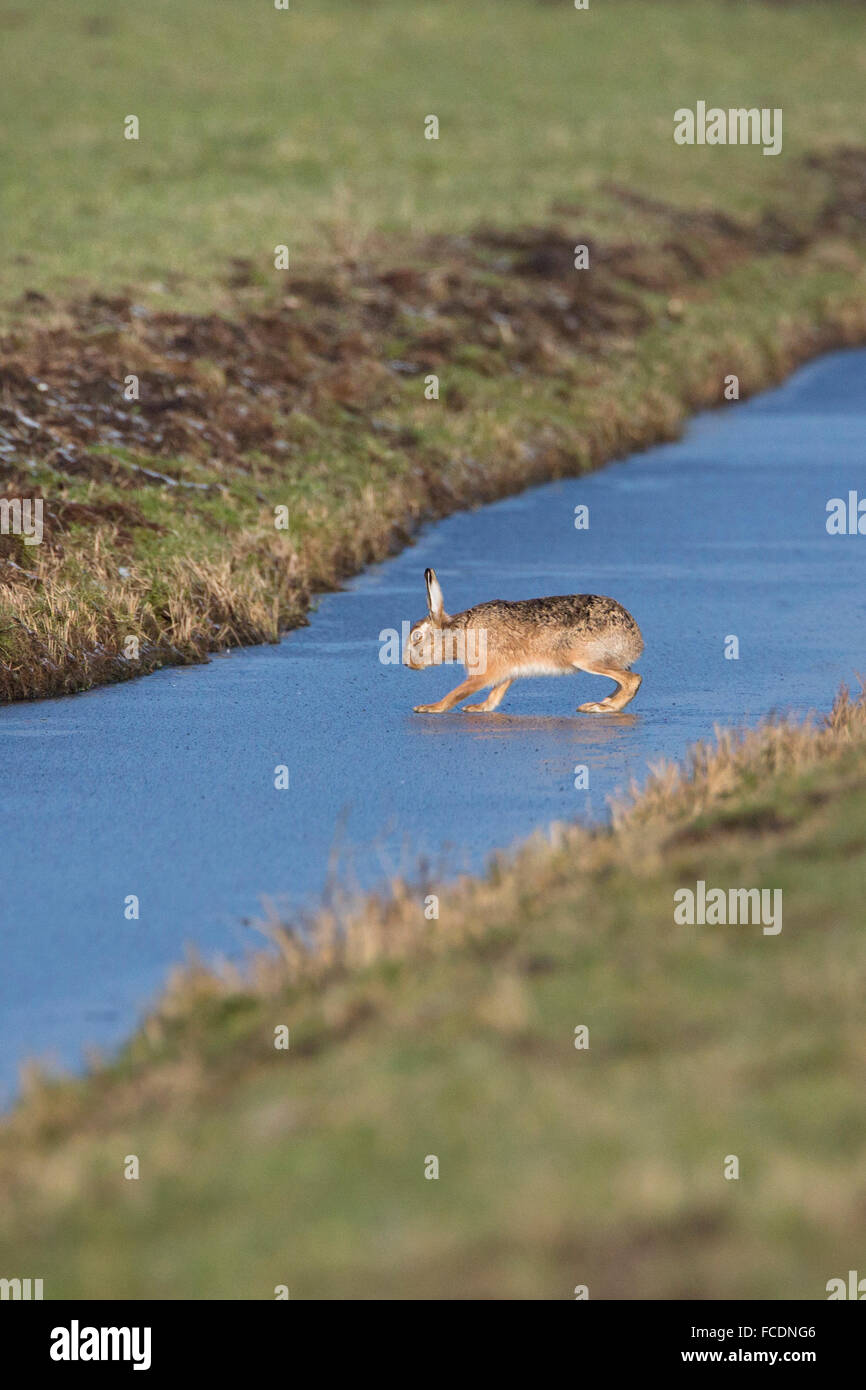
(454,1038)
(305,389)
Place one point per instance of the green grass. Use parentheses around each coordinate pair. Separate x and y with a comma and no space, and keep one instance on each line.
(455,1038)
(260,127)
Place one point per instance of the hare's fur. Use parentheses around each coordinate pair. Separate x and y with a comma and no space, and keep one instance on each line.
(501,641)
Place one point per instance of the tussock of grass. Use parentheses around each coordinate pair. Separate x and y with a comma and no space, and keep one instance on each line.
(68,628)
(742,760)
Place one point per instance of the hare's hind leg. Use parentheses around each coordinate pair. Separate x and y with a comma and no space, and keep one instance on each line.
(494,699)
(627,686)
(460,692)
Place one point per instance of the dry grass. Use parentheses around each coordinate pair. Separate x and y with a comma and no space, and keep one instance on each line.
(711,773)
(66,628)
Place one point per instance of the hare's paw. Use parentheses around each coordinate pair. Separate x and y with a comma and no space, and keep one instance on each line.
(481,708)
(594,707)
(426,709)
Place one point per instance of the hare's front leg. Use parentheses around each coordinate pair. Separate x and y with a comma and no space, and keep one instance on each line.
(467,687)
(494,699)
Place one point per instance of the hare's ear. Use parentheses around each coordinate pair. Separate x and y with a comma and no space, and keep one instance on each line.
(435,601)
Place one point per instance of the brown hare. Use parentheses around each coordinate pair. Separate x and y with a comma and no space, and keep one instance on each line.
(497,642)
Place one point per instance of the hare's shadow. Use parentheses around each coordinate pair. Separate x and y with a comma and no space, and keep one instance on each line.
(590,730)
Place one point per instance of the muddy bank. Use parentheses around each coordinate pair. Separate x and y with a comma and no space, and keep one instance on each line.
(218,386)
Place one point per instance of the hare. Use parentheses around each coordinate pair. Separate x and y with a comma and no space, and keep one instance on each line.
(497,642)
